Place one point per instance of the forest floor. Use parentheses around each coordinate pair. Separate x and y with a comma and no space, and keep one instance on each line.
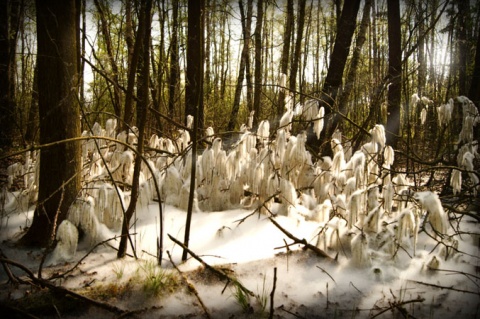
(251,254)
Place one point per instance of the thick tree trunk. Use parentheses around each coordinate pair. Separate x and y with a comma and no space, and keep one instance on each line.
(333,80)
(59,182)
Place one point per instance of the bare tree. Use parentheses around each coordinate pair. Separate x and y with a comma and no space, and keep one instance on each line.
(392,129)
(59,112)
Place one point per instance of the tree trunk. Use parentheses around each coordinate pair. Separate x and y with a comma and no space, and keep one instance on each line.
(392,129)
(258,62)
(59,118)
(298,46)
(352,71)
(143,40)
(195,59)
(174,69)
(463,9)
(285,57)
(6,113)
(243,66)
(194,89)
(338,60)
(111,59)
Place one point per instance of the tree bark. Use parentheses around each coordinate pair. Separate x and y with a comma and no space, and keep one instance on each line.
(392,129)
(141,44)
(113,64)
(174,69)
(59,113)
(285,57)
(298,46)
(243,65)
(333,80)
(195,59)
(258,62)
(194,91)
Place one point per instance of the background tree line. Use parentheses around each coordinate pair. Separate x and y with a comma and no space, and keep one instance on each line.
(221,60)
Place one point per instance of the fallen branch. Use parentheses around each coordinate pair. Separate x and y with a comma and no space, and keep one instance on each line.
(58,289)
(399,306)
(86,255)
(190,287)
(217,272)
(303,241)
(444,287)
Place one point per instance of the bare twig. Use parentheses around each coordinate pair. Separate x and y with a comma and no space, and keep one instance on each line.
(399,306)
(444,287)
(323,270)
(221,274)
(303,241)
(272,294)
(190,287)
(64,291)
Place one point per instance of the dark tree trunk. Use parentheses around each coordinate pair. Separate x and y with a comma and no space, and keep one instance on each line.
(258,62)
(243,66)
(142,45)
(463,11)
(352,72)
(31,133)
(59,118)
(10,18)
(113,64)
(298,46)
(194,90)
(338,60)
(195,58)
(287,36)
(392,129)
(474,92)
(174,70)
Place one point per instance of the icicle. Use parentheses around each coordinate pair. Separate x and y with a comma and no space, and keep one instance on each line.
(67,241)
(110,127)
(310,110)
(355,206)
(250,120)
(423,116)
(426,101)
(209,133)
(456,181)
(414,99)
(405,226)
(436,215)
(318,123)
(378,135)
(190,121)
(263,132)
(388,193)
(389,155)
(360,254)
(286,121)
(287,190)
(282,81)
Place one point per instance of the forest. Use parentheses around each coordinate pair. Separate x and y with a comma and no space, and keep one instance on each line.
(232,158)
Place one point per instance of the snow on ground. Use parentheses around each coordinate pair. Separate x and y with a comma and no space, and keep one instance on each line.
(306,286)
